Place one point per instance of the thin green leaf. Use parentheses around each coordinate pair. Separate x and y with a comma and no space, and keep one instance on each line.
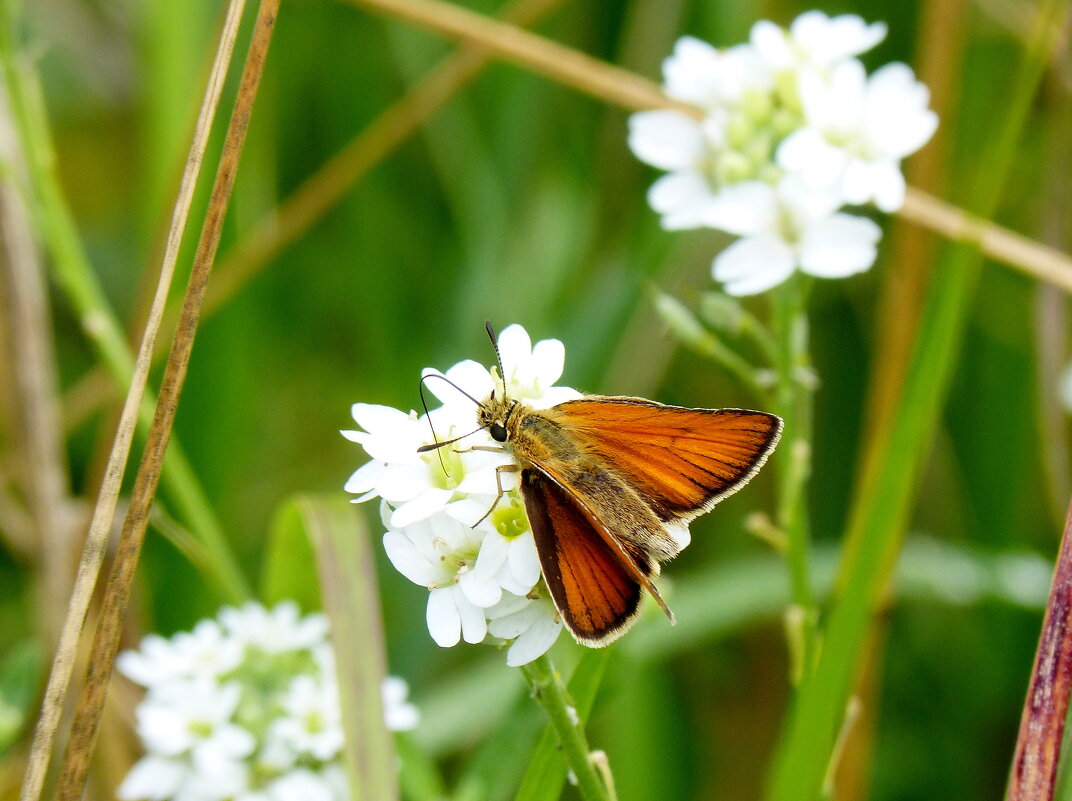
(290,569)
(20,673)
(419,776)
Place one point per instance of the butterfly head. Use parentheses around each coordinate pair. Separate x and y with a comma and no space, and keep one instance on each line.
(494,415)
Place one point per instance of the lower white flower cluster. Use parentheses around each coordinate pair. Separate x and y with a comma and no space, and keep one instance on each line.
(793,128)
(244,708)
(481,570)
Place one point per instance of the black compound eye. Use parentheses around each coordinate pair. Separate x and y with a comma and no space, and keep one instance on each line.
(498,432)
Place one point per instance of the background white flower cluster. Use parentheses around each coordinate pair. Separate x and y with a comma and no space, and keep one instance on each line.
(793,129)
(484,580)
(244,708)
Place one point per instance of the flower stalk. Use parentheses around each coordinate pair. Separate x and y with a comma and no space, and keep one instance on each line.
(793,401)
(550,691)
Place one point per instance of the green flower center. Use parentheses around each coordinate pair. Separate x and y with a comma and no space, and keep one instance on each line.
(445,466)
(509,517)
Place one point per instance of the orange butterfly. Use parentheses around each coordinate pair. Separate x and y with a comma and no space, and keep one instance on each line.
(610,485)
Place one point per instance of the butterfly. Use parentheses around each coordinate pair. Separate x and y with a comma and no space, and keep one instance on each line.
(610,485)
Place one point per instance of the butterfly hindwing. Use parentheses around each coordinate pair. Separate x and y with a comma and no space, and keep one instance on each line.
(589,583)
(682,461)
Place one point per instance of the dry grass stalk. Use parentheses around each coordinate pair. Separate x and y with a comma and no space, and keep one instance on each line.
(1038,746)
(104,512)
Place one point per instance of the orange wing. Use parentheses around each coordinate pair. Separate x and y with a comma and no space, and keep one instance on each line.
(682,461)
(593,589)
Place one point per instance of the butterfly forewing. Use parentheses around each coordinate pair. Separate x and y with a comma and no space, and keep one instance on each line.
(682,461)
(590,585)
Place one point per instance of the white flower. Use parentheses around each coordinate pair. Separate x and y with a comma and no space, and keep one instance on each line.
(698,73)
(789,104)
(275,630)
(529,371)
(265,730)
(417,485)
(185,717)
(706,175)
(814,40)
(205,652)
(508,550)
(312,724)
(154,778)
(858,130)
(302,785)
(466,539)
(398,712)
(532,623)
(791,228)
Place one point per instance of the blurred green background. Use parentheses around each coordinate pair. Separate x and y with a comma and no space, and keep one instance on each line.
(520,202)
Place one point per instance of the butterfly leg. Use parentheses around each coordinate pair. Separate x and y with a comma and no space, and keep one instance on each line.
(503,468)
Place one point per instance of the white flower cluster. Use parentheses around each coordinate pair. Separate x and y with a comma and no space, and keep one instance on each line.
(793,128)
(483,577)
(244,708)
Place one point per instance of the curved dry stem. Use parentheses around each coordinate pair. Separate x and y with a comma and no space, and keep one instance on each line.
(104,512)
(106,642)
(564,64)
(631,91)
(1008,247)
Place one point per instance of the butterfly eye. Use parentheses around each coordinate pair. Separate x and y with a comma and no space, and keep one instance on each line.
(498,432)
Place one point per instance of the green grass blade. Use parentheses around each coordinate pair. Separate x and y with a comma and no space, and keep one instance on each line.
(290,569)
(351,598)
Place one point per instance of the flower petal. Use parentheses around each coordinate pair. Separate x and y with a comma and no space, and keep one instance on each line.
(153,778)
(524,561)
(474,623)
(754,264)
(424,505)
(839,245)
(692,72)
(666,139)
(682,198)
(408,561)
(548,359)
(744,208)
(480,591)
(444,622)
(534,642)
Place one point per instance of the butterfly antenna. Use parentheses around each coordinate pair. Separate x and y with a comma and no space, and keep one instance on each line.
(498,356)
(435,439)
(427,414)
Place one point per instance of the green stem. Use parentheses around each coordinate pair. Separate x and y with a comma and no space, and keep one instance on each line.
(793,401)
(549,689)
(75,276)
(698,337)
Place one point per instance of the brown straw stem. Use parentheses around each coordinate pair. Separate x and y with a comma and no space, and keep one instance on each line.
(106,642)
(1038,747)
